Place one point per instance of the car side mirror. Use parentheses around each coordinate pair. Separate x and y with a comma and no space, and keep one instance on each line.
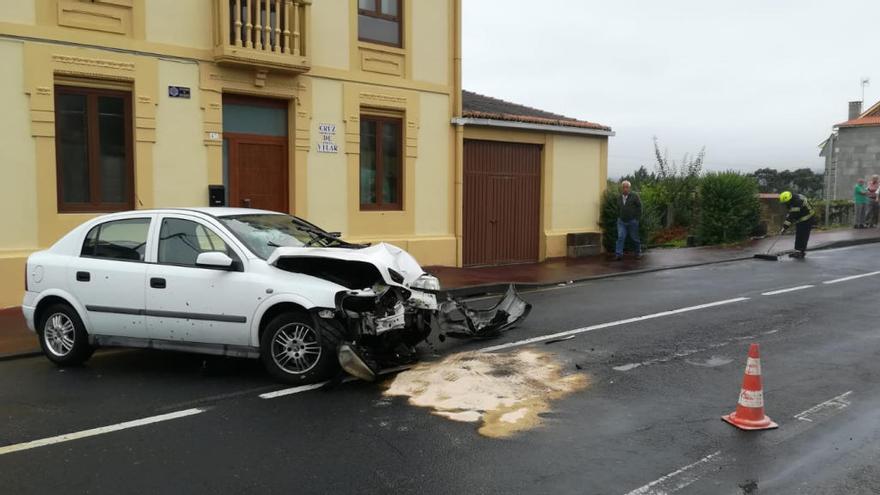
(214,259)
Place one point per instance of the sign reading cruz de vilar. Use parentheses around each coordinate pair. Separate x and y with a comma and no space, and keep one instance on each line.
(327,144)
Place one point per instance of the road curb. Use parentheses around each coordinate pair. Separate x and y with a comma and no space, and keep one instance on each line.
(499,288)
(19,355)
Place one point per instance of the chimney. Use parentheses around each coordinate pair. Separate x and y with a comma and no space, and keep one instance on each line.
(855,109)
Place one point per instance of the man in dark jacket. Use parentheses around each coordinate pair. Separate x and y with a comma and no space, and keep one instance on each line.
(630,206)
(802,215)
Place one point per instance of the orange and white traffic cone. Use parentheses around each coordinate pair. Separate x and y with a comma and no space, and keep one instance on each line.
(749,414)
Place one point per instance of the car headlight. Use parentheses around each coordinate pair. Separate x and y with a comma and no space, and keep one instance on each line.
(426,282)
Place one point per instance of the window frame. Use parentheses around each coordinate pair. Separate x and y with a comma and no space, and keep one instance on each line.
(100,226)
(377,13)
(237,264)
(93,152)
(380,205)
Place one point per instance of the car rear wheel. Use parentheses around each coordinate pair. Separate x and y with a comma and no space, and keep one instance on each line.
(63,336)
(293,350)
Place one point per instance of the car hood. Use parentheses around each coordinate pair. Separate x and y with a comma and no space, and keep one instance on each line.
(382,256)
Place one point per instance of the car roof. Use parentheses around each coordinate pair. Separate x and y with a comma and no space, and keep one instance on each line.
(224,211)
(210,211)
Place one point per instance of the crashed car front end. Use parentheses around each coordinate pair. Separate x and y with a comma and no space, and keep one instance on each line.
(390,304)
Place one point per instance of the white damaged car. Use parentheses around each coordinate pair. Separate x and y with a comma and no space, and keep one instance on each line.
(245,283)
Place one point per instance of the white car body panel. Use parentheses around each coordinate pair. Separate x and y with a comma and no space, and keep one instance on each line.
(224,307)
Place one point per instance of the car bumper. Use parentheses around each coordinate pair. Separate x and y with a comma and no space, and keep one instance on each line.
(28,308)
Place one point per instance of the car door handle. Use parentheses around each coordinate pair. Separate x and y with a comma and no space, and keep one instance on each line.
(83,276)
(157,283)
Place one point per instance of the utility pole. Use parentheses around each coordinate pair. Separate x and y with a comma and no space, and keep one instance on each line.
(830,177)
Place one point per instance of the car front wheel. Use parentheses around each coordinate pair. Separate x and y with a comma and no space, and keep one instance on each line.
(63,336)
(294,351)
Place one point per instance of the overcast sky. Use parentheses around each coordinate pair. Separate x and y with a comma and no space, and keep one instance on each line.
(758,82)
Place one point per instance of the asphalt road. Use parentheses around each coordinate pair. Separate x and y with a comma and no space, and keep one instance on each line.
(664,355)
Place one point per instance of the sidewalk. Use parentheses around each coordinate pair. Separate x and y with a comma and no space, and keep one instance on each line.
(16,340)
(464,281)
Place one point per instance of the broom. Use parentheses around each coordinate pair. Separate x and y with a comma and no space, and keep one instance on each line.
(771,257)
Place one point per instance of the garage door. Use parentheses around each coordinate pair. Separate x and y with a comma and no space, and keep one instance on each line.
(502,202)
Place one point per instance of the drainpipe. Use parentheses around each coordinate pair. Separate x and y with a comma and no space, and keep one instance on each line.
(459,134)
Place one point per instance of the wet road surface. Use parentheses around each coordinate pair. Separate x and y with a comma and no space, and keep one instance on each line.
(662,355)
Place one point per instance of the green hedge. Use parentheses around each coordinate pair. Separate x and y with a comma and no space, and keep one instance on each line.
(609,213)
(841,212)
(729,208)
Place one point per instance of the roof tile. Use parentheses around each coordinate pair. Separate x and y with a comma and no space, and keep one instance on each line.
(478,106)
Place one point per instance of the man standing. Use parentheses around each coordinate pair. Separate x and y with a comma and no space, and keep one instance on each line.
(800,213)
(860,198)
(630,207)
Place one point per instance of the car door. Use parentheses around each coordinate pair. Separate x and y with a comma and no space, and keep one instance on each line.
(191,303)
(109,276)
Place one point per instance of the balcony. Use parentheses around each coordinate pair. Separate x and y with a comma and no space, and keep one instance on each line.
(266,34)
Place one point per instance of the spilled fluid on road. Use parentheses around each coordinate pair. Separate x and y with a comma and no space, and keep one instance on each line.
(505,393)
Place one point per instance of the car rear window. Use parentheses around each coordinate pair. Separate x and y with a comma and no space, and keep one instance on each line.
(124,240)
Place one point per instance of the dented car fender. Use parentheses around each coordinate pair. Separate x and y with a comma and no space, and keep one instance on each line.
(280,298)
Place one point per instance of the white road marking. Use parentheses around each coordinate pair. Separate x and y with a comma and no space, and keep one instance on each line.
(315,386)
(291,391)
(847,279)
(677,479)
(783,291)
(99,431)
(610,324)
(688,352)
(831,405)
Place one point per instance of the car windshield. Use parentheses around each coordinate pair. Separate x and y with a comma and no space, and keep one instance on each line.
(262,233)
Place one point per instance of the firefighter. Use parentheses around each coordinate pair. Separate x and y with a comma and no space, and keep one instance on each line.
(802,215)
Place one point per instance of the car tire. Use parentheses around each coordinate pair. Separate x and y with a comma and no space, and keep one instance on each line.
(63,337)
(294,351)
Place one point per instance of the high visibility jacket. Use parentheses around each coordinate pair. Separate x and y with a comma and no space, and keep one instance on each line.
(799,210)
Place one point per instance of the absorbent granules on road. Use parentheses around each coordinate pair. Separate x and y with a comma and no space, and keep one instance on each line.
(505,392)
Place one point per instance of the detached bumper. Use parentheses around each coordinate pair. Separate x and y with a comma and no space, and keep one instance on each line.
(457,320)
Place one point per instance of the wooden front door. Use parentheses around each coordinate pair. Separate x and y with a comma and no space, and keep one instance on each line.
(258,172)
(502,202)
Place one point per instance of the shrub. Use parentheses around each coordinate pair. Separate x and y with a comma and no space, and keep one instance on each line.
(729,208)
(676,185)
(841,212)
(609,213)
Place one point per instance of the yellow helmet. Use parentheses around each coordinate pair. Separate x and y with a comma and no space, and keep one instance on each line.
(785,197)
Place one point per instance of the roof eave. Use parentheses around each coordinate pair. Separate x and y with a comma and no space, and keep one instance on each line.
(527,126)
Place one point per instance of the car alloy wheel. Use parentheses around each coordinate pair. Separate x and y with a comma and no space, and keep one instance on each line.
(59,334)
(295,348)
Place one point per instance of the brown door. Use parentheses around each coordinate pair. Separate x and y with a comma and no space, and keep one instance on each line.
(255,146)
(258,171)
(502,202)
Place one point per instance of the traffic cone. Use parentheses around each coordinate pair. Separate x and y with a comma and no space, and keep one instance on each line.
(749,414)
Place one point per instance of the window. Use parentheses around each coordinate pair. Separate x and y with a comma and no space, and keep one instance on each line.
(379,21)
(380,170)
(181,242)
(119,240)
(93,145)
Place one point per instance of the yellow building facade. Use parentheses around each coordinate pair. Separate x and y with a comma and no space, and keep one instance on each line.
(343,112)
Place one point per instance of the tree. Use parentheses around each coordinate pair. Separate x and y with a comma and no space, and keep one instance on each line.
(802,180)
(640,178)
(677,185)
